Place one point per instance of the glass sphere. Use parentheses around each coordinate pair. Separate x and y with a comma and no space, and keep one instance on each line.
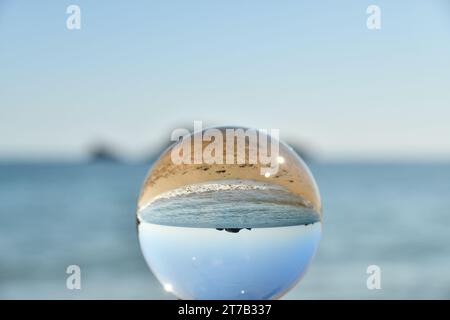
(229,213)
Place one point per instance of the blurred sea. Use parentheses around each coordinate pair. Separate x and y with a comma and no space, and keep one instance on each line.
(55,215)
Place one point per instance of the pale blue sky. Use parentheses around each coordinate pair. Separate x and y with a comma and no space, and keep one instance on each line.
(137,69)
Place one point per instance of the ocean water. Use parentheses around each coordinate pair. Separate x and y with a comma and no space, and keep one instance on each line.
(229,239)
(55,215)
(229,204)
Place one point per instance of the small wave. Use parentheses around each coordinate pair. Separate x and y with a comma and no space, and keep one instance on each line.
(209,187)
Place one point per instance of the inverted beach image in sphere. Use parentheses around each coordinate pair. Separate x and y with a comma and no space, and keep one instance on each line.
(229,213)
(293,173)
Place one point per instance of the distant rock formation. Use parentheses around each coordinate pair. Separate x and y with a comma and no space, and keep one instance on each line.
(103,153)
(302,151)
(154,155)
